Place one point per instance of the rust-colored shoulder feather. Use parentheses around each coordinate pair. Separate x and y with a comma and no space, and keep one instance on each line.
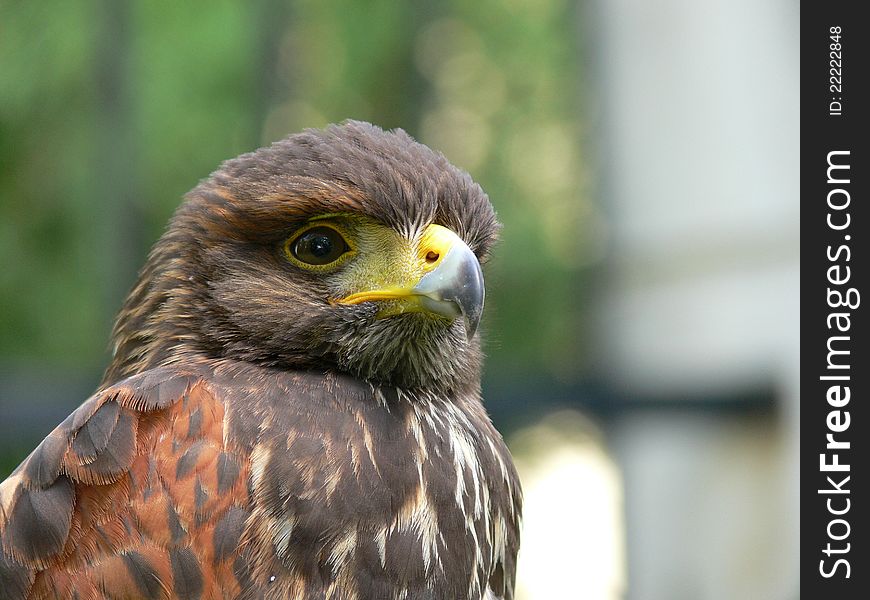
(125,498)
(243,482)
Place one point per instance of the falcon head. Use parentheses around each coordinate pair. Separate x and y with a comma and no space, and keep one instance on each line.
(351,249)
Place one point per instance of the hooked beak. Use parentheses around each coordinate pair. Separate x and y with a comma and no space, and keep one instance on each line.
(451,286)
(455,287)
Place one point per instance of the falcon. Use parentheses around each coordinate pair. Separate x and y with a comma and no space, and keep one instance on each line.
(293,407)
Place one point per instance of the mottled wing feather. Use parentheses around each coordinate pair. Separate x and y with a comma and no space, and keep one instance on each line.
(133,495)
(251,484)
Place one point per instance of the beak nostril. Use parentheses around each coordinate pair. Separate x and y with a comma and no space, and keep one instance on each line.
(432,256)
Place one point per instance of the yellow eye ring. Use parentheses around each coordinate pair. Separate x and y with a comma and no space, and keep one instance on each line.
(319,246)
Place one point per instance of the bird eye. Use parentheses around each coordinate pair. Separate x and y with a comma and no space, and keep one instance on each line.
(318,246)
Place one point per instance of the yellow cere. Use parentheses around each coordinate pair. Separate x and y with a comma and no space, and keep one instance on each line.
(381,264)
(385,265)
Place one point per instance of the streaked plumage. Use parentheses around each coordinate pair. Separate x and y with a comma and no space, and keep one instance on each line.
(271,429)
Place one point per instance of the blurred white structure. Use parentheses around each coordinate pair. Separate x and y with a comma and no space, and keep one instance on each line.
(573,536)
(699,106)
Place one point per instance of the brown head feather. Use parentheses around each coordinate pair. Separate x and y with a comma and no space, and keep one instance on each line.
(195,295)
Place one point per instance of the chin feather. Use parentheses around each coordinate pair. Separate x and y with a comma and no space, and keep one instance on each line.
(410,351)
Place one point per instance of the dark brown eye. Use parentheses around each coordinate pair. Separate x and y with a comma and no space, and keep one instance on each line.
(318,246)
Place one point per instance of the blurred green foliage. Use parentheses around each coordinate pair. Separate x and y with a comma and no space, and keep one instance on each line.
(111,110)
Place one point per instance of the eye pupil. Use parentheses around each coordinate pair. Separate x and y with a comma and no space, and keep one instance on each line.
(318,246)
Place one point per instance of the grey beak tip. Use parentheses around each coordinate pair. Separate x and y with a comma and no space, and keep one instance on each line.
(470,328)
(456,287)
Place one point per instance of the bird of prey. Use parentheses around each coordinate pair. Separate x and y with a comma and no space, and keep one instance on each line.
(293,408)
